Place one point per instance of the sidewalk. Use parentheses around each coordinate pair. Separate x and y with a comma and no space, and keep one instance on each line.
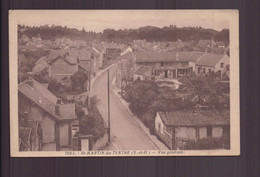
(153,138)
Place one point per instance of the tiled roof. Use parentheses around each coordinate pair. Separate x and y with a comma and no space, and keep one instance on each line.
(188,118)
(41,96)
(142,70)
(210,59)
(150,56)
(85,55)
(195,56)
(54,54)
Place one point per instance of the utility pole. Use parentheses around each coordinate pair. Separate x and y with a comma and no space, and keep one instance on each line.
(89,85)
(108,95)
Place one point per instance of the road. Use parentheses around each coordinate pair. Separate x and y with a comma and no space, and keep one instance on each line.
(125,132)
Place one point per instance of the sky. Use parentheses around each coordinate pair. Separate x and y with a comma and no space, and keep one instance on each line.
(97,20)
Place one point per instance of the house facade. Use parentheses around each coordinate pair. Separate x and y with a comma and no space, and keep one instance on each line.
(163,64)
(209,63)
(52,118)
(177,128)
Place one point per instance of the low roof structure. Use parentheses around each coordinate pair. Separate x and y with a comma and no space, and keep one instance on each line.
(189,118)
(210,59)
(142,70)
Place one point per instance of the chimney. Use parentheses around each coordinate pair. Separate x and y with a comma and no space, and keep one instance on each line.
(57,110)
(29,82)
(58,101)
(40,100)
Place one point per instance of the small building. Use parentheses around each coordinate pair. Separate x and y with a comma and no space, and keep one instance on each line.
(51,116)
(176,128)
(125,68)
(63,66)
(87,60)
(209,63)
(163,64)
(110,56)
(143,73)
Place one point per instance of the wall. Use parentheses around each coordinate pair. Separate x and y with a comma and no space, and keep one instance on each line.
(48,129)
(136,76)
(202,132)
(187,133)
(159,125)
(64,133)
(217,132)
(160,131)
(225,59)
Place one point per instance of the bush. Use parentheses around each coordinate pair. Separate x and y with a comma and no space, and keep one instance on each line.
(208,143)
(92,123)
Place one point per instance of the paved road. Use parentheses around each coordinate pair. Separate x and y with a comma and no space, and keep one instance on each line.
(125,132)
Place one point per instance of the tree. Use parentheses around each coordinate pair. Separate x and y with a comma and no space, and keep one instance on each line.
(78,81)
(198,86)
(205,90)
(93,123)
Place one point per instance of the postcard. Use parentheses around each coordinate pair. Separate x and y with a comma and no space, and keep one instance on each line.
(124,83)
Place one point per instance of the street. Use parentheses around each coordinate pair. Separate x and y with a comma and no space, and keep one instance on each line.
(125,132)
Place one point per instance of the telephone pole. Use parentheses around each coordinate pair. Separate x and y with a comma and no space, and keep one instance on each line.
(108,95)
(89,85)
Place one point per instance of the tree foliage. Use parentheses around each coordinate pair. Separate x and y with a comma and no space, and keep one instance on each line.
(93,122)
(149,33)
(78,81)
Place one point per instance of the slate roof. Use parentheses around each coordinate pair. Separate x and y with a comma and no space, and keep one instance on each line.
(142,70)
(210,59)
(189,118)
(42,97)
(151,56)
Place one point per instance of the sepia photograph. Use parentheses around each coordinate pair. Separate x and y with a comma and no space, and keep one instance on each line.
(124,83)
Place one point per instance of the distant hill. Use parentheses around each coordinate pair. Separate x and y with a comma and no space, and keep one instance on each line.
(149,33)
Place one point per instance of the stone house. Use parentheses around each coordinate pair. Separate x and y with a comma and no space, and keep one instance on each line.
(176,128)
(52,117)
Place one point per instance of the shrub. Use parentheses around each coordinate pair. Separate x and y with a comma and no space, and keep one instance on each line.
(208,143)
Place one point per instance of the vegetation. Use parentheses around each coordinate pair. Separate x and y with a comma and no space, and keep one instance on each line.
(27,60)
(92,123)
(147,97)
(149,33)
(208,143)
(78,81)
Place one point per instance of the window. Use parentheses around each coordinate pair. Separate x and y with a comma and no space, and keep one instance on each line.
(209,70)
(222,65)
(162,64)
(204,70)
(209,131)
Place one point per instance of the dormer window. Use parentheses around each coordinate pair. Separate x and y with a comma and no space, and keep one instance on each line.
(222,65)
